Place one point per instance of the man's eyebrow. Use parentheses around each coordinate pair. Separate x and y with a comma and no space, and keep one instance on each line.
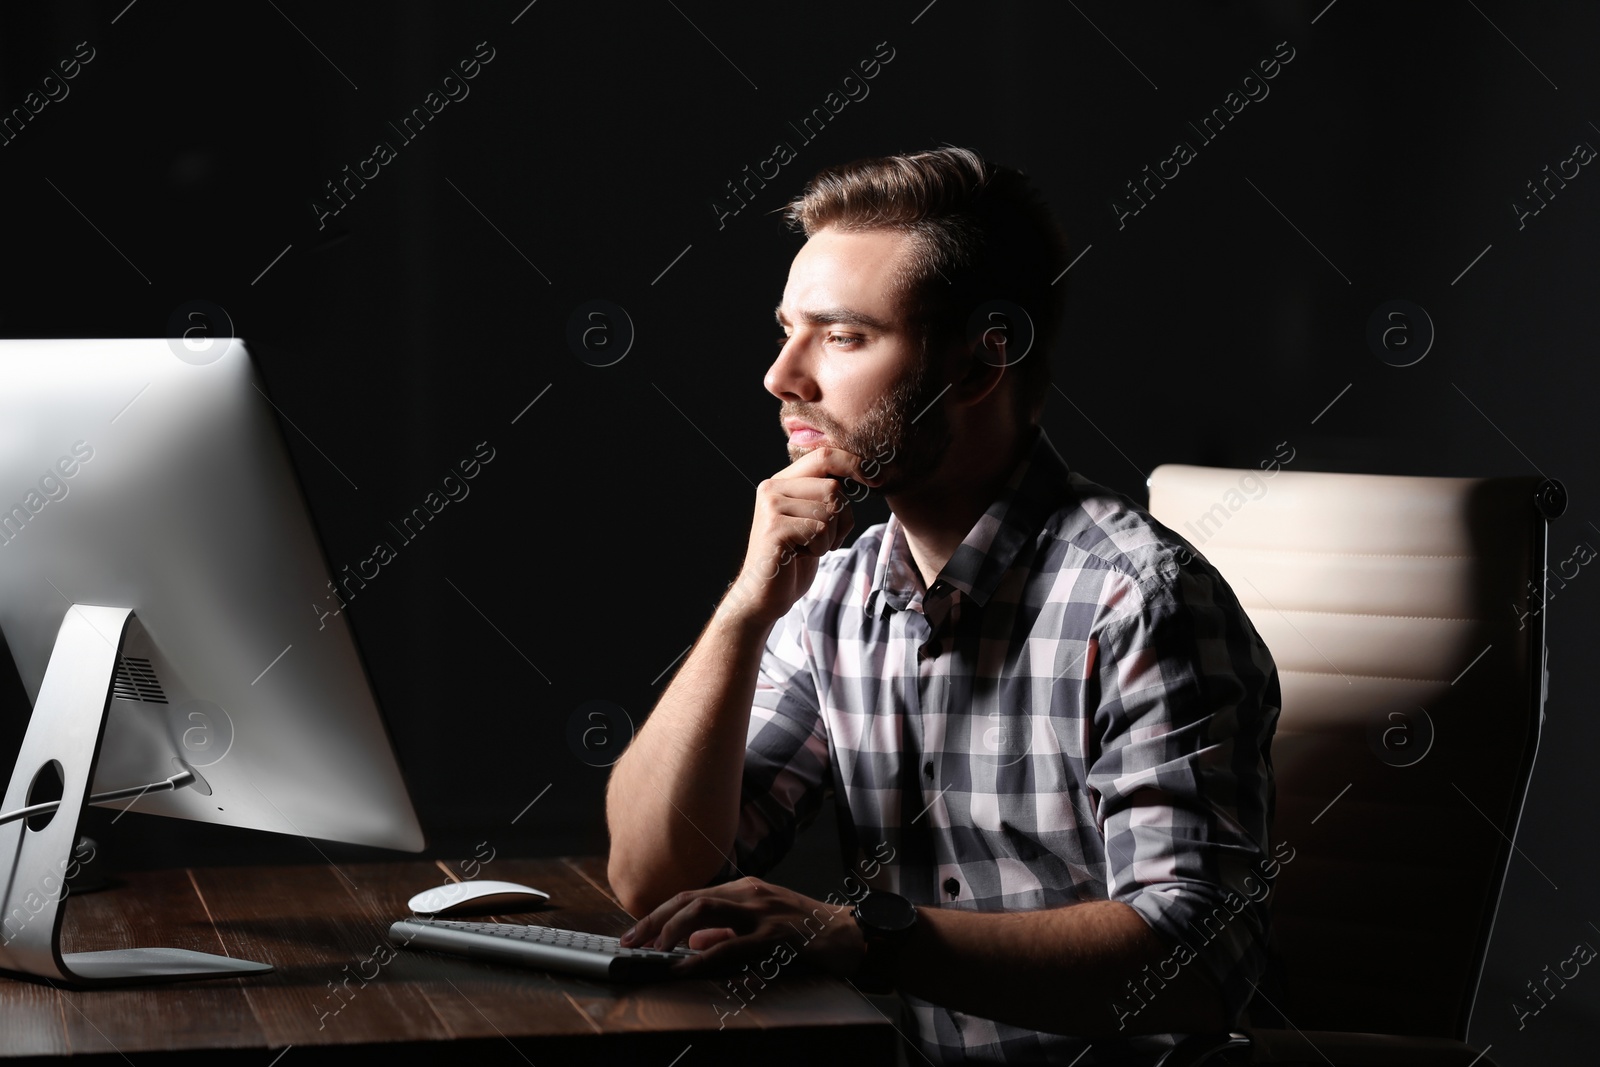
(844,316)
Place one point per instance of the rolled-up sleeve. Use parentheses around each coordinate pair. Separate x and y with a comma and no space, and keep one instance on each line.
(1184,703)
(786,769)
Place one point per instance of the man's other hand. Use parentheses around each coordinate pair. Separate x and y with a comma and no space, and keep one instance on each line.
(754,922)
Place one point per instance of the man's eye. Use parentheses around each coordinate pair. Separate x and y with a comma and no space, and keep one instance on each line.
(842,339)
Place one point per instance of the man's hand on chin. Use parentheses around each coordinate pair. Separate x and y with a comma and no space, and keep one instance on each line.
(751,921)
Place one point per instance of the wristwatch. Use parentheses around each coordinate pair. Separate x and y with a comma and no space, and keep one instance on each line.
(885,920)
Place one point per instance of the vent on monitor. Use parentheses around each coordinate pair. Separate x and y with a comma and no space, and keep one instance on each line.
(136,680)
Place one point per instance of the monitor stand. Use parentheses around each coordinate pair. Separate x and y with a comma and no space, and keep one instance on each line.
(66,729)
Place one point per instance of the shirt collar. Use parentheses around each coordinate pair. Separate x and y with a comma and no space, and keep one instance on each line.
(1038,486)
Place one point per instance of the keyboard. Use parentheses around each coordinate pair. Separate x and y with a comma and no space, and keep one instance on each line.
(544,947)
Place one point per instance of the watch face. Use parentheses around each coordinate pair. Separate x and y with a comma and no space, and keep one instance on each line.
(888,912)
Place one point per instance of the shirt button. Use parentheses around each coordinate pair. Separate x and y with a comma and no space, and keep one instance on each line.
(927,770)
(952,887)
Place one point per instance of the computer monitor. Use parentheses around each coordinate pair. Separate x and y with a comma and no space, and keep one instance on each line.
(164,595)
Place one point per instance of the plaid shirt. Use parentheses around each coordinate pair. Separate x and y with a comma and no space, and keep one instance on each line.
(1078,709)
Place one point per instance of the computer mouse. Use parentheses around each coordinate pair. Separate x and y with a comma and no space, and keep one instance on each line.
(480,895)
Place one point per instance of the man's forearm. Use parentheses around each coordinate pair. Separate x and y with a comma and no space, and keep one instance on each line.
(1063,970)
(672,803)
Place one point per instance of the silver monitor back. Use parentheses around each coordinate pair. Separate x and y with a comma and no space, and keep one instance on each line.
(132,477)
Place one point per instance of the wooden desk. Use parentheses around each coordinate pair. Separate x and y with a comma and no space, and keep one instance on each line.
(340,989)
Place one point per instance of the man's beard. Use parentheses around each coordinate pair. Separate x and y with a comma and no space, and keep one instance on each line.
(901,439)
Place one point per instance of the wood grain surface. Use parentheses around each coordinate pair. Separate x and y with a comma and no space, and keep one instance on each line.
(341,989)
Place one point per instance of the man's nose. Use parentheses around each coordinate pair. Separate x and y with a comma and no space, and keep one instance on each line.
(789,377)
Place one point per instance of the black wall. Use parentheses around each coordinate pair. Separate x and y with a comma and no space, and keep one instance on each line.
(429,311)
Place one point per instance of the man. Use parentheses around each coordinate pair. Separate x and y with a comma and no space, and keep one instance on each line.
(1045,719)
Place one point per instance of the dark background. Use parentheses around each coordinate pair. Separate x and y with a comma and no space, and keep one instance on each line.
(421,319)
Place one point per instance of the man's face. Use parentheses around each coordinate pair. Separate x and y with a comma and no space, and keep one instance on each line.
(851,367)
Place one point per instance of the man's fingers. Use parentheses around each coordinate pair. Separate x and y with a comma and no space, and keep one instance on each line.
(639,933)
(811,487)
(811,524)
(725,955)
(645,930)
(701,940)
(829,461)
(816,497)
(698,914)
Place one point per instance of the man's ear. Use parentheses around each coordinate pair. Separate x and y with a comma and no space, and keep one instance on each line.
(1000,333)
(980,369)
(990,344)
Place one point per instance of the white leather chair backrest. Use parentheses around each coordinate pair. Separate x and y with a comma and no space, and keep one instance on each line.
(1398,614)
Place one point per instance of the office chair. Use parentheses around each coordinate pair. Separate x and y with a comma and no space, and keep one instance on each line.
(1405,617)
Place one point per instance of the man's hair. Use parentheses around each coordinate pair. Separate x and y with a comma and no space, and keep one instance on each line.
(980,231)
